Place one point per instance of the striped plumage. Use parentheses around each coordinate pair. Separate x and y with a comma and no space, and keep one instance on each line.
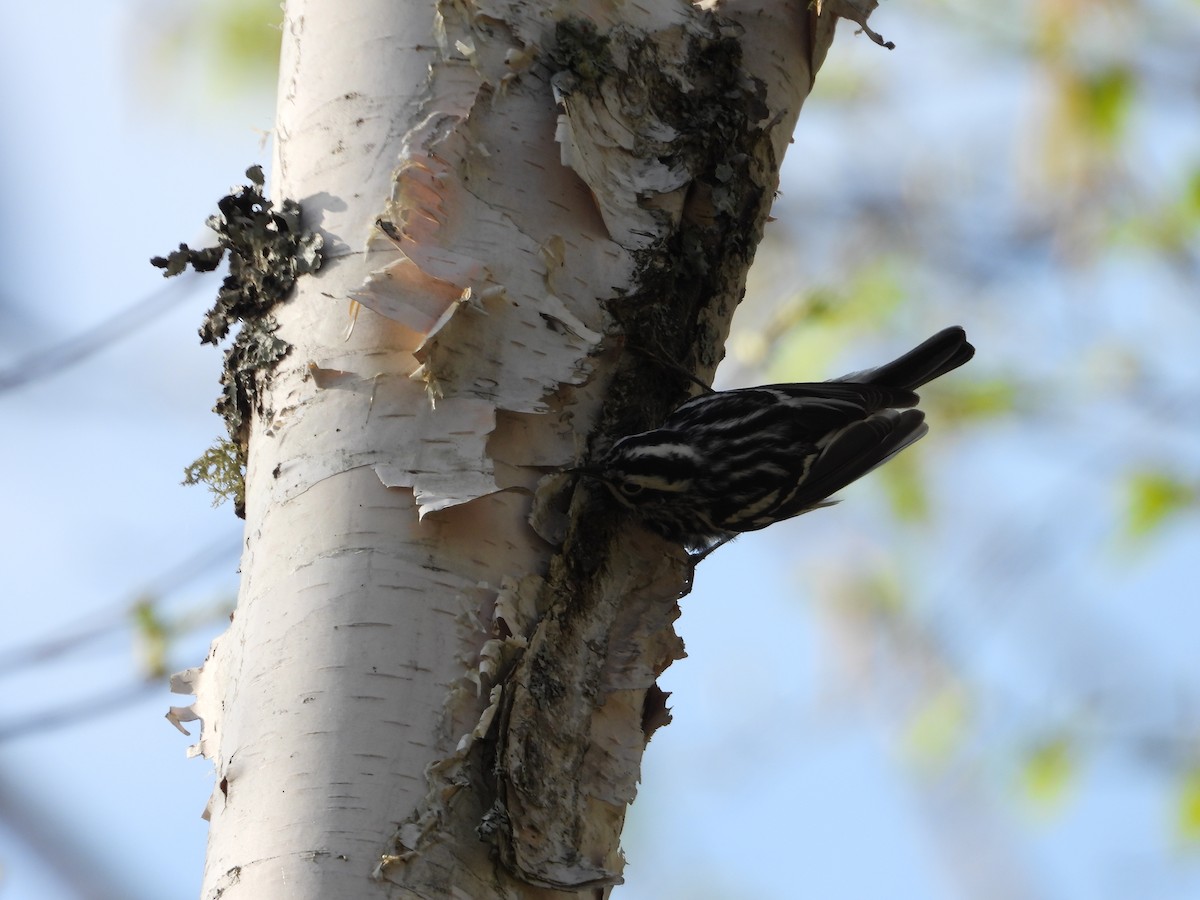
(733,461)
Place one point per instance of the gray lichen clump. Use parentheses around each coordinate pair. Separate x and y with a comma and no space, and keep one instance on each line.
(268,250)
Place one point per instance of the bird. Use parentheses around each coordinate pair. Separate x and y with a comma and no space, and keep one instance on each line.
(728,462)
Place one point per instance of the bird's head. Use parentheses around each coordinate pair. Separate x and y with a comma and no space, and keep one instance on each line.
(644,470)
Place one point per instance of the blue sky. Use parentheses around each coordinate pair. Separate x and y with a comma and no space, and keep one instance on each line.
(785,772)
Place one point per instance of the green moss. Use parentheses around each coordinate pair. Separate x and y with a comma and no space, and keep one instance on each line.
(222,467)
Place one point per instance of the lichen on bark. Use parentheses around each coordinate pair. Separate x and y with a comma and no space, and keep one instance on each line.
(268,249)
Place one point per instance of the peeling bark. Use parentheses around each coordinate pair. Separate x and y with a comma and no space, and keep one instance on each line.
(525,208)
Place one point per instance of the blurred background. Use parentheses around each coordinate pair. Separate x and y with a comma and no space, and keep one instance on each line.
(977,677)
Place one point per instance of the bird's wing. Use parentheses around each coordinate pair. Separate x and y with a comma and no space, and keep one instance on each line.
(852,452)
(817,407)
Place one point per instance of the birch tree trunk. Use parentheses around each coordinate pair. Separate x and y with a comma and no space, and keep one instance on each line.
(439,679)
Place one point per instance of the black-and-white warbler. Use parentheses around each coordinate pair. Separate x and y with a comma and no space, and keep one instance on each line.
(733,461)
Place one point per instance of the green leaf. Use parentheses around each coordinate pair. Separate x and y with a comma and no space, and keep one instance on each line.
(245,34)
(1169,226)
(1103,101)
(966,399)
(875,293)
(1048,774)
(151,633)
(1187,809)
(937,729)
(1191,195)
(903,480)
(1153,497)
(806,334)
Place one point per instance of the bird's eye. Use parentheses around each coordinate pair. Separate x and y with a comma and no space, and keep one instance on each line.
(631,488)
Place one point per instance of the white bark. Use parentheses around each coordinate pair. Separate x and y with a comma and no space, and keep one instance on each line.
(409,660)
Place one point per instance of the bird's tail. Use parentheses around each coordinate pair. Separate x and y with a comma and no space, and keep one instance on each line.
(942,353)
